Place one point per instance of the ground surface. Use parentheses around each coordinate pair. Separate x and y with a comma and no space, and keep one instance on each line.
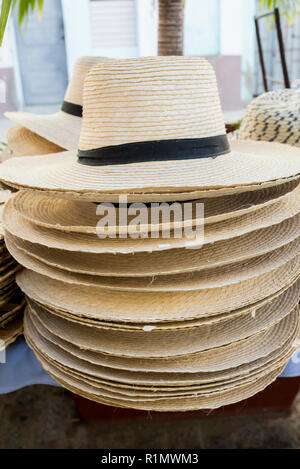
(45,417)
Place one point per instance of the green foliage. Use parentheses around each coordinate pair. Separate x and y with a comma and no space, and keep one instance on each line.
(288,8)
(24,8)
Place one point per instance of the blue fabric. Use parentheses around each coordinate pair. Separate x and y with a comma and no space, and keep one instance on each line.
(22,369)
(293,368)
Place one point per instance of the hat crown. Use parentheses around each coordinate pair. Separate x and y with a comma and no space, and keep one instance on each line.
(82,66)
(148,99)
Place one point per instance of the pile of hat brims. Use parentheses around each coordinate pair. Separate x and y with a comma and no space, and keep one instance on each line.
(158,324)
(11,299)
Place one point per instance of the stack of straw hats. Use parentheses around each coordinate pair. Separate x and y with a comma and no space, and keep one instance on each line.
(158,320)
(36,135)
(273,117)
(11,299)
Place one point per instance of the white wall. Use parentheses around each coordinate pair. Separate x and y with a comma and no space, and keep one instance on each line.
(231,27)
(79,38)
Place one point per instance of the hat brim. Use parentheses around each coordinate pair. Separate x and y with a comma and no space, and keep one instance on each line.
(61,128)
(16,224)
(215,277)
(166,343)
(172,261)
(9,334)
(81,217)
(133,365)
(24,142)
(249,163)
(207,401)
(257,354)
(153,306)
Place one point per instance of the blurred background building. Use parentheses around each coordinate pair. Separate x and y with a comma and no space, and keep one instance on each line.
(37,60)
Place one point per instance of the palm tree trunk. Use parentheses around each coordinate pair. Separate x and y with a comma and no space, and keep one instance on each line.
(170,30)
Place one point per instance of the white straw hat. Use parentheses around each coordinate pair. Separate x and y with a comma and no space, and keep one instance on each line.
(22,142)
(153,125)
(273,117)
(62,128)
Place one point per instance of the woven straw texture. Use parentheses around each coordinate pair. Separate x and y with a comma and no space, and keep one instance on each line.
(23,142)
(273,117)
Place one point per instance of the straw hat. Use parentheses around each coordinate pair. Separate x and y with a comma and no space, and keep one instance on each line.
(45,342)
(287,207)
(62,128)
(11,299)
(277,301)
(121,369)
(89,385)
(197,280)
(153,125)
(80,217)
(152,306)
(23,142)
(164,262)
(164,343)
(273,117)
(11,310)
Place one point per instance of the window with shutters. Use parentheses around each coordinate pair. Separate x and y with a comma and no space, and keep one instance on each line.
(113,23)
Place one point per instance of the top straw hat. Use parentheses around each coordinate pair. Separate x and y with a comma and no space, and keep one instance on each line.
(273,117)
(153,124)
(22,142)
(62,128)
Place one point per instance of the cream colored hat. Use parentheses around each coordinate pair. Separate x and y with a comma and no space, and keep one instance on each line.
(273,117)
(62,128)
(23,142)
(153,125)
(164,262)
